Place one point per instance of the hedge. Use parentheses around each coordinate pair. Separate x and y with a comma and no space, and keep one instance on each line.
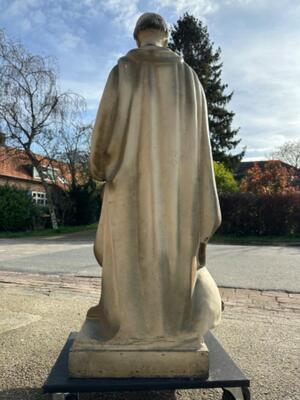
(251,214)
(17,210)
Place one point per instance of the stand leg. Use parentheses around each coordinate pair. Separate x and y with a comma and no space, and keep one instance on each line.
(236,393)
(57,396)
(71,396)
(65,396)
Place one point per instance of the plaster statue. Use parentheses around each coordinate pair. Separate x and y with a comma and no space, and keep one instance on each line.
(150,144)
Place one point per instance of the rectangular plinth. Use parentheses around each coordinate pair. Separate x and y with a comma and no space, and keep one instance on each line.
(127,364)
(223,372)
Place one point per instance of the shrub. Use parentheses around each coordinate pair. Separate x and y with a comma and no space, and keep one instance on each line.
(86,203)
(78,206)
(252,214)
(272,178)
(17,210)
(224,179)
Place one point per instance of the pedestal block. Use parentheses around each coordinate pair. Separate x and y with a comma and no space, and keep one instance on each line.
(97,362)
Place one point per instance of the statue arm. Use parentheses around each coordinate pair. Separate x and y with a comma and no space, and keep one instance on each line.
(210,218)
(104,128)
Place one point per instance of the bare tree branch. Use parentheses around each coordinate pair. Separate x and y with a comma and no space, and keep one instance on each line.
(33,112)
(289,153)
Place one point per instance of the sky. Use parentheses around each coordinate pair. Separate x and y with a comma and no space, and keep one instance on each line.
(259,41)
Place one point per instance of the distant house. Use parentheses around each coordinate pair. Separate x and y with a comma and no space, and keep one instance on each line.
(244,166)
(17,170)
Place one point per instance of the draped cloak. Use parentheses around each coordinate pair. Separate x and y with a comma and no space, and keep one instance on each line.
(150,144)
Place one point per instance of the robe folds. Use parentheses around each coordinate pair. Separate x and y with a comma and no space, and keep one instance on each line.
(150,144)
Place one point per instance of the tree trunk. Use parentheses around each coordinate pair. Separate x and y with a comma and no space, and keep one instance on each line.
(50,206)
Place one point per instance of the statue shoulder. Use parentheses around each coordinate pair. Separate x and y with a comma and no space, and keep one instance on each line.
(113,75)
(124,60)
(195,76)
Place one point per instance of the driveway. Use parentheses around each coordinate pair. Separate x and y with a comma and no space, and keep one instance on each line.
(249,267)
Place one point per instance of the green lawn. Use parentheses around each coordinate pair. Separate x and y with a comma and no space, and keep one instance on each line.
(256,240)
(48,232)
(216,239)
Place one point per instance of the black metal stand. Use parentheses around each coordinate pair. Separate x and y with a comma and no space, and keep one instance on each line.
(223,373)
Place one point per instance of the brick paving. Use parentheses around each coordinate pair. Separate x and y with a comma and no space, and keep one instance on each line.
(261,299)
(268,300)
(259,329)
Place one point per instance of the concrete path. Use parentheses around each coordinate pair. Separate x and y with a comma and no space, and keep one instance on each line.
(253,267)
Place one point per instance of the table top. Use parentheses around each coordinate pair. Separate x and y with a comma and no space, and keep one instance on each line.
(223,372)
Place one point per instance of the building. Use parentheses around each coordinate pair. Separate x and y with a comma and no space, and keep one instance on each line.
(17,170)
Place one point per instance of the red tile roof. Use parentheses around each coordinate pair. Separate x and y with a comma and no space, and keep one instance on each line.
(14,163)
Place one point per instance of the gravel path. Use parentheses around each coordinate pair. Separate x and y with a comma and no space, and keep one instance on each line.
(260,332)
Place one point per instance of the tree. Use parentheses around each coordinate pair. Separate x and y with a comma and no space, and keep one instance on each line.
(272,179)
(190,38)
(81,190)
(73,150)
(224,179)
(289,153)
(32,108)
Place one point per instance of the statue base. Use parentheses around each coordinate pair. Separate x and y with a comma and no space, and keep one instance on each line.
(92,360)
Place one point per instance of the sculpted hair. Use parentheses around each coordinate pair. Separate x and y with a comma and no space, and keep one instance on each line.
(150,21)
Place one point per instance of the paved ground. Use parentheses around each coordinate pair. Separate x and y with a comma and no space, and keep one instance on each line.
(256,267)
(260,330)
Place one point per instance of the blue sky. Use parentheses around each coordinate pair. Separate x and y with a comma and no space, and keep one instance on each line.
(259,41)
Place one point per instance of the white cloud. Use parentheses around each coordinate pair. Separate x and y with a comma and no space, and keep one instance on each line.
(196,7)
(264,71)
(69,41)
(255,158)
(256,3)
(14,8)
(202,8)
(125,12)
(90,90)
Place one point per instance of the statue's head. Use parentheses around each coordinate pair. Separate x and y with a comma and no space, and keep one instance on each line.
(151,24)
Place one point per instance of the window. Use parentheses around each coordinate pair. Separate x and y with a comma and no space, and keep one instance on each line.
(49,173)
(39,198)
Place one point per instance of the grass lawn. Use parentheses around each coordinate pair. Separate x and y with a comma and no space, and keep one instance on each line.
(48,232)
(256,240)
(216,239)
